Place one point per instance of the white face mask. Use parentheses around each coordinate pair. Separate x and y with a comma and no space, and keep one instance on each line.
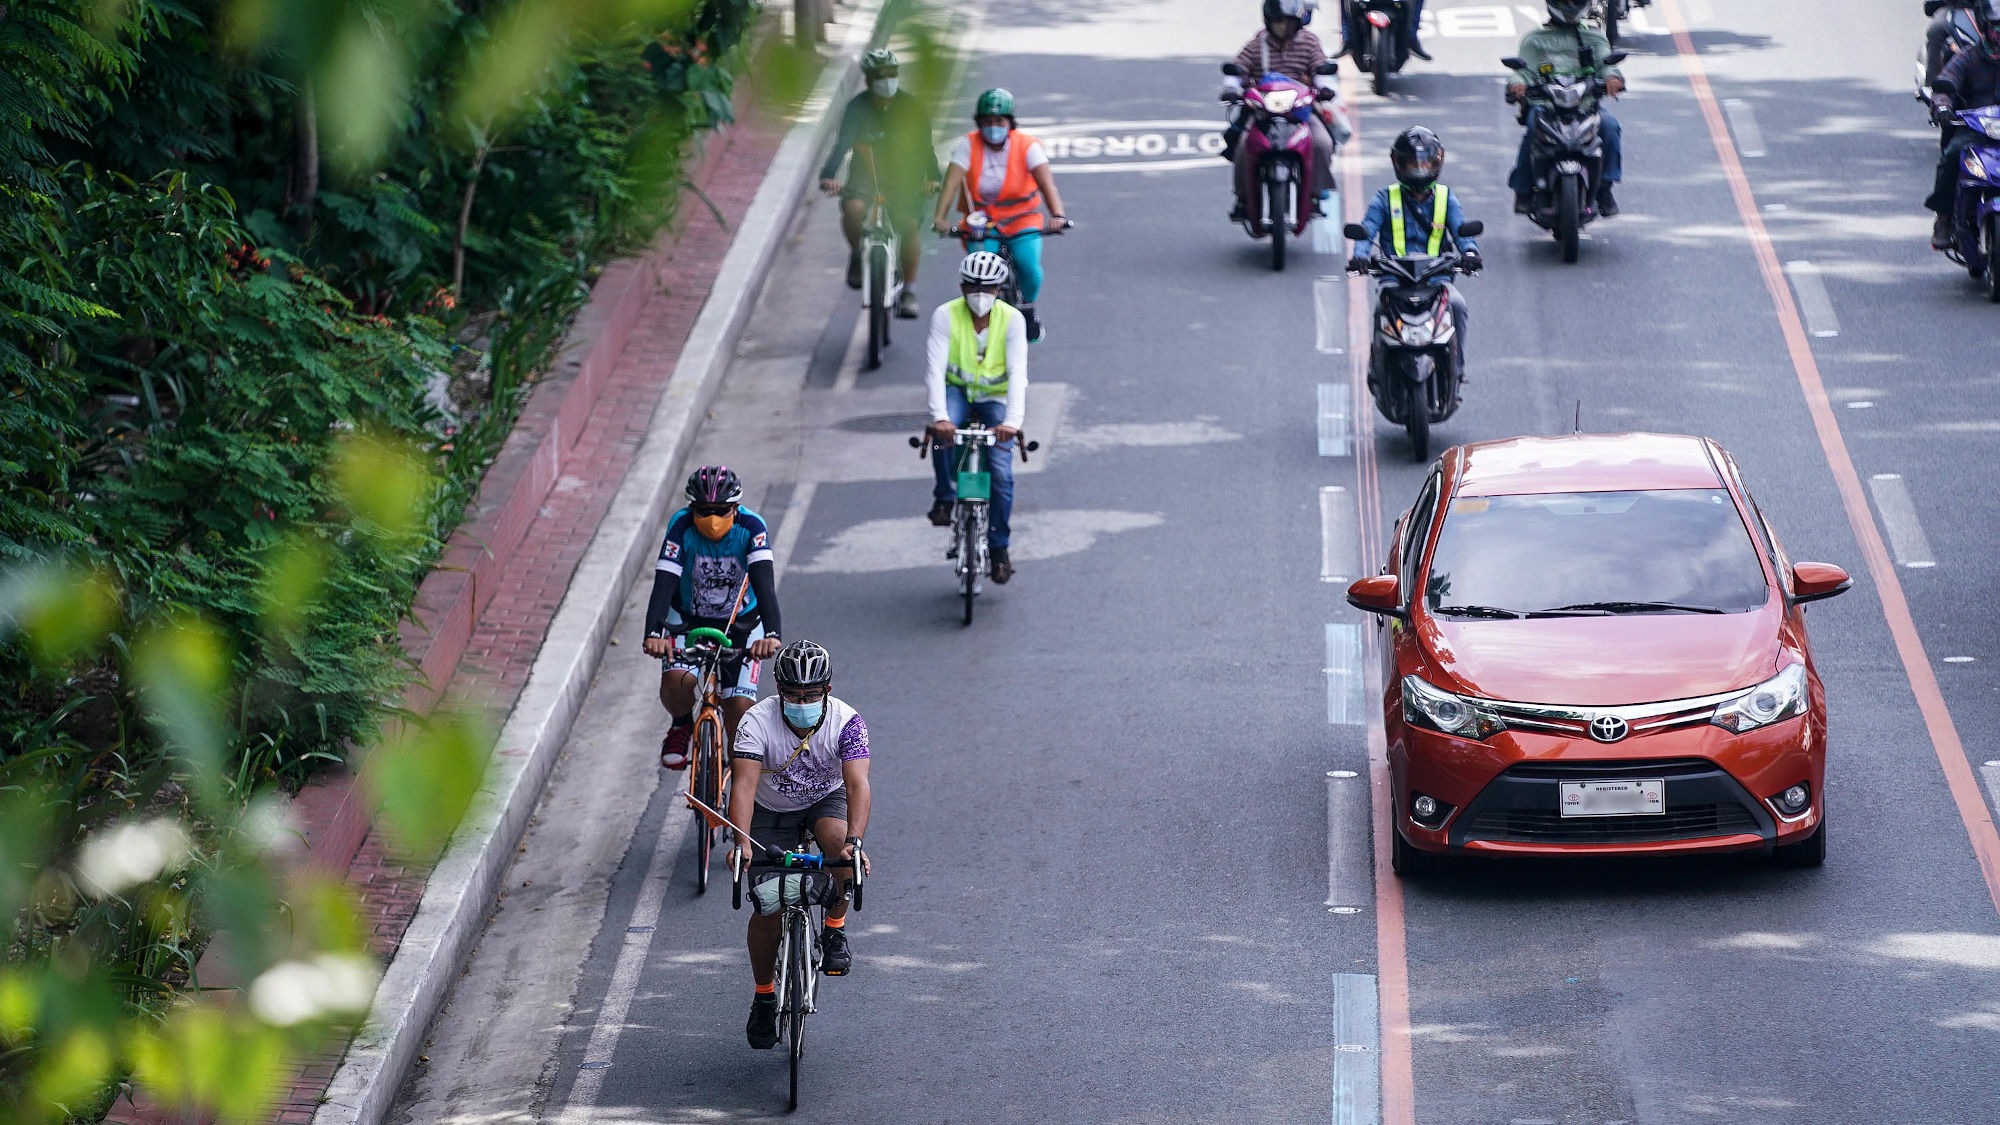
(996,135)
(884,88)
(980,303)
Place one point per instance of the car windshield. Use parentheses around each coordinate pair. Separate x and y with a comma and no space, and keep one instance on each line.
(1595,553)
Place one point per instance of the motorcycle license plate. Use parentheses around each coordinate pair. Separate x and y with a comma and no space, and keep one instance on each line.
(975,486)
(1614,798)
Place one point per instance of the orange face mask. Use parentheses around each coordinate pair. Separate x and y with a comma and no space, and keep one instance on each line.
(714,527)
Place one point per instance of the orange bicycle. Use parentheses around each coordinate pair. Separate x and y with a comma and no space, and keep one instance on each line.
(708,774)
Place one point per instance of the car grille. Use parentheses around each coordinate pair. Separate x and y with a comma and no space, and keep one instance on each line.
(1564,769)
(1534,826)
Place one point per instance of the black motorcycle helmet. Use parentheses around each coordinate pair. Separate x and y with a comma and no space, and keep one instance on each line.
(1567,12)
(1986,16)
(1288,14)
(1418,157)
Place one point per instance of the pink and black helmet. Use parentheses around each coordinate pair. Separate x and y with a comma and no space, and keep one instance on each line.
(714,484)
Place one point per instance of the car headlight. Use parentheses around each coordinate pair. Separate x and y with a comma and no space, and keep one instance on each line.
(1783,696)
(1440,710)
(1418,334)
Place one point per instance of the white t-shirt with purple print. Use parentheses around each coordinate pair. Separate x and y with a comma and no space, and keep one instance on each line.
(763,736)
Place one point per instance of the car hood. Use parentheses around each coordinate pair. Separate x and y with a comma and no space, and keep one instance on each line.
(1604,661)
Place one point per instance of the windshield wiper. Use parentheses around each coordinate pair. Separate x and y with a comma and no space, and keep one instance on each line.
(1476,611)
(1608,608)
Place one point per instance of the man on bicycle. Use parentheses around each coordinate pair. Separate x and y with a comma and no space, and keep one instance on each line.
(714,572)
(976,366)
(1002,171)
(896,129)
(800,763)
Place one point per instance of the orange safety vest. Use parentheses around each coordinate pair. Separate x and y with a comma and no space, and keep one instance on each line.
(1019,207)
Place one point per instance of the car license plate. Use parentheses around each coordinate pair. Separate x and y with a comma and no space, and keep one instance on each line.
(1614,798)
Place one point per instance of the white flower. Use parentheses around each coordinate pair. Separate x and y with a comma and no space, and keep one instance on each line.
(292,992)
(268,826)
(115,861)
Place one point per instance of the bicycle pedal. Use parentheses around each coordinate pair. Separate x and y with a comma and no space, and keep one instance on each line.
(833,972)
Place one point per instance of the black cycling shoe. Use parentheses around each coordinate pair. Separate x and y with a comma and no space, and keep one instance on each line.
(834,956)
(1000,566)
(854,269)
(1034,324)
(941,513)
(762,1030)
(1607,207)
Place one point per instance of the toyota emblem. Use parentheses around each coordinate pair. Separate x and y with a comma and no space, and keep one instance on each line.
(1609,728)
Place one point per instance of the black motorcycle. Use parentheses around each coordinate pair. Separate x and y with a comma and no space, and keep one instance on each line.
(1416,361)
(1565,151)
(1381,44)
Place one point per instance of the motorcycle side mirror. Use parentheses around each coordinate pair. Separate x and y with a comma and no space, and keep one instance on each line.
(1232,70)
(1944,86)
(1614,58)
(1514,62)
(1471,228)
(1377,594)
(1355,231)
(1328,67)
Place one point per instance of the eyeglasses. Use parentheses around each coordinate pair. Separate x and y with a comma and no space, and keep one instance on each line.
(712,509)
(968,287)
(802,695)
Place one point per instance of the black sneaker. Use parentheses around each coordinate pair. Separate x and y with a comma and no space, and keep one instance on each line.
(1001,567)
(1943,236)
(1607,207)
(1417,49)
(1524,203)
(941,513)
(762,1030)
(854,269)
(1236,214)
(834,957)
(1034,324)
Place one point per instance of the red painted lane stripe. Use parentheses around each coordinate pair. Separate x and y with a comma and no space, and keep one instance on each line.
(1392,964)
(1895,607)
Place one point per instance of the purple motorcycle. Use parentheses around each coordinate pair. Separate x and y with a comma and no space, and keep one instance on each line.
(1275,181)
(1979,199)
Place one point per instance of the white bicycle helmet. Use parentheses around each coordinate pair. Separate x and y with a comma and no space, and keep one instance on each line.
(802,664)
(983,268)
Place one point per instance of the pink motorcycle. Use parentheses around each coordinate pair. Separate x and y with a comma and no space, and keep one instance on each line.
(1276,185)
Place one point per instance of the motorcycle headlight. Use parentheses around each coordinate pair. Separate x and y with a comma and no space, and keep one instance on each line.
(1972,166)
(1280,102)
(1783,696)
(1440,710)
(1418,334)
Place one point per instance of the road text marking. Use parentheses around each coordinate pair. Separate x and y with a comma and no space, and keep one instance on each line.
(1899,519)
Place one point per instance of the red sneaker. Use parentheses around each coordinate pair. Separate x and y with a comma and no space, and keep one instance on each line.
(674,748)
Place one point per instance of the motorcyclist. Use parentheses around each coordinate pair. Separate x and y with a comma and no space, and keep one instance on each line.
(1004,172)
(893,124)
(1350,35)
(1286,47)
(1938,34)
(1403,219)
(1559,46)
(1975,77)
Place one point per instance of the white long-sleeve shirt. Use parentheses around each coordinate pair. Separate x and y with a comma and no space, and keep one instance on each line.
(937,353)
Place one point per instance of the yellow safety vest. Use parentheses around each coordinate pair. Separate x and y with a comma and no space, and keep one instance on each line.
(983,374)
(1440,201)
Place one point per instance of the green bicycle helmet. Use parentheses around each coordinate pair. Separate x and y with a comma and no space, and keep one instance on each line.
(879,60)
(994,103)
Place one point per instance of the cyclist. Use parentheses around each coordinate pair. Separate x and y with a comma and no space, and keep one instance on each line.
(801,762)
(897,128)
(715,563)
(1002,171)
(976,366)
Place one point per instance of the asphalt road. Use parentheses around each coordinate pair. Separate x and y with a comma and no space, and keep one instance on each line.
(1103,811)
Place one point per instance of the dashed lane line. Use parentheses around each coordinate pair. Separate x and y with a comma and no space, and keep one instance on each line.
(1343,674)
(1357,1051)
(1336,429)
(1743,121)
(1907,540)
(1336,534)
(1814,303)
(1329,314)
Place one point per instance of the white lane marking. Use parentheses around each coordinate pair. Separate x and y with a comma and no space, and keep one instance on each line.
(1698,11)
(857,343)
(1343,674)
(1330,314)
(603,1045)
(788,531)
(1334,430)
(1743,122)
(1991,772)
(1814,304)
(1899,520)
(1337,534)
(1864,404)
(1143,435)
(1960,659)
(913,544)
(1482,22)
(1350,868)
(1357,1050)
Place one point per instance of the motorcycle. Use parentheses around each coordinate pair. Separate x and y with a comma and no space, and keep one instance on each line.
(1964,33)
(1978,209)
(1607,13)
(1275,188)
(1382,46)
(1564,150)
(1415,357)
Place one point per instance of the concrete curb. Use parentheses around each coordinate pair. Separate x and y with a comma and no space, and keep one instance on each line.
(466,879)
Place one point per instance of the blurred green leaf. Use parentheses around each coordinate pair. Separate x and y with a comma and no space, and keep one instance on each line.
(384,483)
(209,1057)
(73,1068)
(183,671)
(60,611)
(294,579)
(424,778)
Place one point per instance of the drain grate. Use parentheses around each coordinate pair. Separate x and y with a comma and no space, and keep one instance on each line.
(906,423)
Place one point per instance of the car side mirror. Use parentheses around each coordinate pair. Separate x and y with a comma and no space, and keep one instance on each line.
(1816,582)
(1232,70)
(1377,593)
(1514,62)
(1328,67)
(1355,231)
(1614,58)
(1471,228)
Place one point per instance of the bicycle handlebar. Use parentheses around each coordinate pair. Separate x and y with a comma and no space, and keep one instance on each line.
(704,633)
(922,444)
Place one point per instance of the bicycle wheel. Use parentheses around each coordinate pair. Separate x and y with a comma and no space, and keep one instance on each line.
(878,304)
(707,789)
(797,970)
(968,559)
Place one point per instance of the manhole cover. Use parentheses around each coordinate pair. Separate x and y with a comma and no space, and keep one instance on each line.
(906,423)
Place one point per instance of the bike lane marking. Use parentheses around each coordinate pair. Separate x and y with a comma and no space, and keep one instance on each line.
(1943,731)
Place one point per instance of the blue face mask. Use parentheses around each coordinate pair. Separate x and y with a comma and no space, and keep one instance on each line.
(996,135)
(803,716)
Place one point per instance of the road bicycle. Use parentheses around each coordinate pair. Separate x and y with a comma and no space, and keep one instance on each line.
(708,770)
(881,264)
(802,890)
(969,517)
(976,230)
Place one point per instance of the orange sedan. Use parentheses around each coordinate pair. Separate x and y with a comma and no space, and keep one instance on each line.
(1596,644)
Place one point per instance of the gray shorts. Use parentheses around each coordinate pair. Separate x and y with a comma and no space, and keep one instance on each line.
(786,829)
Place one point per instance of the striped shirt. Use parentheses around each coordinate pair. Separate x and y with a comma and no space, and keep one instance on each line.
(1295,61)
